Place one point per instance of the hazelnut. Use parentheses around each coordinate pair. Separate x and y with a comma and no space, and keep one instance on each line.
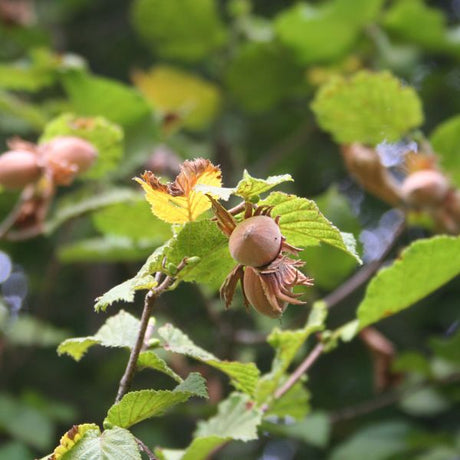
(425,188)
(256,241)
(256,295)
(18,168)
(67,157)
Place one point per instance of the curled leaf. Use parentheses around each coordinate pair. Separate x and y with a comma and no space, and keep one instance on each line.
(178,202)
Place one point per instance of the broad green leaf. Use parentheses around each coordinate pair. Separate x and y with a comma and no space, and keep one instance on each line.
(137,406)
(119,331)
(113,444)
(368,108)
(286,344)
(423,267)
(411,362)
(199,449)
(383,440)
(415,21)
(106,249)
(315,33)
(261,75)
(150,360)
(445,140)
(25,423)
(243,376)
(202,239)
(425,402)
(106,137)
(250,187)
(97,96)
(358,12)
(447,348)
(132,219)
(303,225)
(314,429)
(237,418)
(172,91)
(295,403)
(187,30)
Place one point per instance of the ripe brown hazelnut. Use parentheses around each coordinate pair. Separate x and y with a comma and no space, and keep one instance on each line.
(67,157)
(18,168)
(425,188)
(255,241)
(257,297)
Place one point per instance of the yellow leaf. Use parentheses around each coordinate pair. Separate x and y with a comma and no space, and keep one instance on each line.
(177,202)
(69,439)
(174,92)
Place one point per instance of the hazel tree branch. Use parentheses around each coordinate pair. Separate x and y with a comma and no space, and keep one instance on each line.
(149,301)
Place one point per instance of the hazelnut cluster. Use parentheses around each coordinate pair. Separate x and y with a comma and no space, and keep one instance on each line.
(266,273)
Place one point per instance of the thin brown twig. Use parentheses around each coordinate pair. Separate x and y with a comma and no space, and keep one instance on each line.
(301,369)
(150,298)
(144,448)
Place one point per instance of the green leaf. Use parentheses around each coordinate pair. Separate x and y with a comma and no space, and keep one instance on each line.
(137,406)
(286,344)
(113,444)
(237,418)
(150,360)
(14,450)
(250,187)
(293,404)
(202,239)
(368,108)
(132,219)
(383,440)
(106,137)
(315,33)
(425,402)
(243,376)
(411,362)
(447,348)
(106,249)
(303,225)
(445,140)
(314,429)
(199,449)
(187,30)
(261,75)
(119,331)
(97,96)
(422,268)
(414,21)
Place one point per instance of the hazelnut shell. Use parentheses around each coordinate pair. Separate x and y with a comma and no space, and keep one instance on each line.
(255,241)
(18,168)
(425,188)
(254,292)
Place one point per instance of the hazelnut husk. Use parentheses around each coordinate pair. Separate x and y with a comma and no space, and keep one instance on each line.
(424,189)
(258,297)
(67,157)
(18,168)
(255,241)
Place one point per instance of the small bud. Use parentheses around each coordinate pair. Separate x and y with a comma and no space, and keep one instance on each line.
(256,241)
(425,188)
(257,296)
(68,157)
(193,260)
(18,168)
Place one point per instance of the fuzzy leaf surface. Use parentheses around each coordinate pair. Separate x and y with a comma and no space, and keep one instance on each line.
(303,225)
(367,108)
(137,406)
(422,268)
(243,376)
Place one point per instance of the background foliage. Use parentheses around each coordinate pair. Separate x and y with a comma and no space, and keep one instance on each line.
(271,87)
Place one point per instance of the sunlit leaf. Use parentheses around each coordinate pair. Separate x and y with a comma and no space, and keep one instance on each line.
(250,187)
(172,91)
(178,202)
(243,376)
(106,137)
(69,439)
(410,278)
(150,360)
(293,404)
(119,331)
(190,35)
(368,108)
(303,225)
(141,405)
